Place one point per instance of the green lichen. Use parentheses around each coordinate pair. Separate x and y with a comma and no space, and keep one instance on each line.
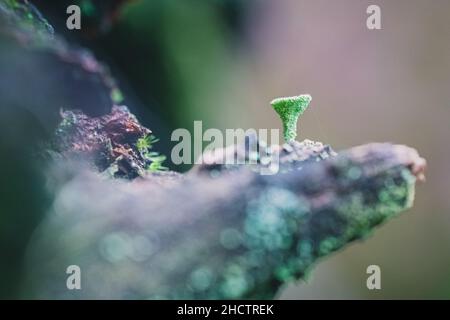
(274,232)
(290,109)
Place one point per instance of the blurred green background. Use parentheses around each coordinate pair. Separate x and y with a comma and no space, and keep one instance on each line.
(222,61)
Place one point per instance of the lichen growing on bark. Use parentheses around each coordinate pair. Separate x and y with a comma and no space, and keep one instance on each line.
(290,109)
(22,17)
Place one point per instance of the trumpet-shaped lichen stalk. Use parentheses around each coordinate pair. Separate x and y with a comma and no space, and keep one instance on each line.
(289,109)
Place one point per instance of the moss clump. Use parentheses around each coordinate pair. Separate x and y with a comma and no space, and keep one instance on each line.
(116,142)
(153,159)
(289,109)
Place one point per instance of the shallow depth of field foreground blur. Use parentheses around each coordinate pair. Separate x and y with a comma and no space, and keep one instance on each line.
(383,85)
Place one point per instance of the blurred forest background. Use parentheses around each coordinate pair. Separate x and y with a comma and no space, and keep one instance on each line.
(222,61)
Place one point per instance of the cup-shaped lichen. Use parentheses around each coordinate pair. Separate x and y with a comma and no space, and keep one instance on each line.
(289,109)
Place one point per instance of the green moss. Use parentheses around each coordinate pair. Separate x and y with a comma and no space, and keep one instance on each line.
(290,109)
(155,160)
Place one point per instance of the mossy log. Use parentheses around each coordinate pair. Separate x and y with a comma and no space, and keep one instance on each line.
(218,232)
